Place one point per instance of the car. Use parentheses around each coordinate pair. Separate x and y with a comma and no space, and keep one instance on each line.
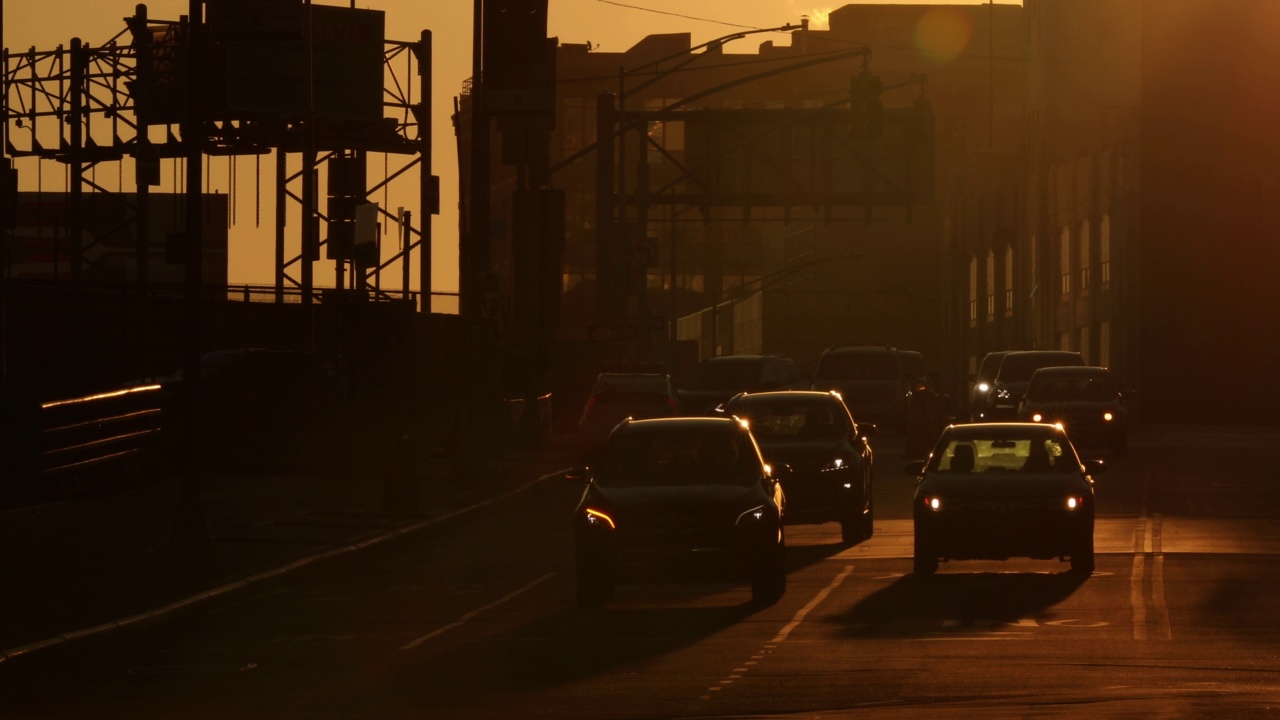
(828,454)
(716,379)
(1011,380)
(670,494)
(616,396)
(1084,400)
(870,379)
(980,386)
(992,491)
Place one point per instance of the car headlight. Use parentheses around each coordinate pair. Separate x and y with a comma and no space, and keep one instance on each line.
(599,519)
(752,517)
(933,502)
(983,387)
(837,464)
(1108,416)
(1037,417)
(1075,502)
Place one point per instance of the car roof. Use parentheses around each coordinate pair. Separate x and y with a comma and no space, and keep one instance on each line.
(861,349)
(1073,370)
(786,395)
(679,424)
(975,431)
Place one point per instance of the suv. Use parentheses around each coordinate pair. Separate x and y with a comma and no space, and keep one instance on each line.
(869,378)
(717,379)
(1085,401)
(1016,369)
(980,389)
(617,396)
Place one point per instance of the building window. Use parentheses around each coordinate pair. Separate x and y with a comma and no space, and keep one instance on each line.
(1104,250)
(1104,343)
(991,285)
(973,291)
(1064,259)
(1084,257)
(1008,281)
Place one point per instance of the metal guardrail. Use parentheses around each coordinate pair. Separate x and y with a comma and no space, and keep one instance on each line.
(75,438)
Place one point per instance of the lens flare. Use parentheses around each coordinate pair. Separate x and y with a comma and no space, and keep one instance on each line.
(943,33)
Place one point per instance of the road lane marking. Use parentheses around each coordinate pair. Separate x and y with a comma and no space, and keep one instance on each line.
(469,616)
(804,611)
(782,635)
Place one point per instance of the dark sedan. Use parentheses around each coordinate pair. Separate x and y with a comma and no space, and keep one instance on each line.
(672,493)
(827,452)
(992,491)
(1084,401)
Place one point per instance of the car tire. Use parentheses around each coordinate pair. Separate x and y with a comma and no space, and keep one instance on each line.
(869,518)
(1082,560)
(593,584)
(850,530)
(770,580)
(924,559)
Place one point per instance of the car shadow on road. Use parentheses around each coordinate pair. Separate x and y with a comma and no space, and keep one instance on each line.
(916,606)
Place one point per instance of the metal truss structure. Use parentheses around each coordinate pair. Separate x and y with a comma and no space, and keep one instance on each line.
(79,106)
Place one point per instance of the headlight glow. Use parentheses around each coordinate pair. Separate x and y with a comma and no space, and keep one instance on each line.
(983,387)
(1074,502)
(752,516)
(596,518)
(1108,417)
(933,503)
(1037,417)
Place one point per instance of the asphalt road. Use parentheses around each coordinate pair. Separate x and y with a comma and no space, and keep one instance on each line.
(476,620)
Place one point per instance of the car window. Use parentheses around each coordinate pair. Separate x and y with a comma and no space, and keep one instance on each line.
(630,460)
(1018,367)
(858,366)
(1006,455)
(1063,387)
(773,420)
(725,375)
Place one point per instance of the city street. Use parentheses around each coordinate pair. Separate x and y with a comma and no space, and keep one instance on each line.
(476,620)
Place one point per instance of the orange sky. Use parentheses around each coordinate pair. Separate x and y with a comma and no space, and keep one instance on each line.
(611,26)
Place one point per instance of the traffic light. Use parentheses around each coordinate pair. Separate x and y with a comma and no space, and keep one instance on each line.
(867,112)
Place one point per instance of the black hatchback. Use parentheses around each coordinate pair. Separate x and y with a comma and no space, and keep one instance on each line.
(677,493)
(828,455)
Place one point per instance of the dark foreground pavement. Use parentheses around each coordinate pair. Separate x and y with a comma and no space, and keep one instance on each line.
(115,557)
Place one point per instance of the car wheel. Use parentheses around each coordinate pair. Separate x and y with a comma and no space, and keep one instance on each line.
(594,585)
(868,519)
(924,560)
(1082,560)
(770,580)
(850,530)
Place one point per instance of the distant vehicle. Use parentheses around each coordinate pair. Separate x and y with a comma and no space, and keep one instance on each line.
(716,379)
(1011,380)
(871,381)
(616,396)
(676,493)
(992,491)
(829,456)
(1085,401)
(980,388)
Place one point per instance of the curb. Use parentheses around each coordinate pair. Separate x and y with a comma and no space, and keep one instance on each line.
(148,616)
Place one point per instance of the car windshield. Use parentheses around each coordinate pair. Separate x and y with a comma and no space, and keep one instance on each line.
(725,375)
(786,419)
(1024,455)
(858,366)
(683,458)
(1019,367)
(1061,387)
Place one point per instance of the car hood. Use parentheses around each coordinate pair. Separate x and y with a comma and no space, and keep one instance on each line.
(699,501)
(800,452)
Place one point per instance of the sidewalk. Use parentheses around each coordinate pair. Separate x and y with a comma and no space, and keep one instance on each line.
(84,566)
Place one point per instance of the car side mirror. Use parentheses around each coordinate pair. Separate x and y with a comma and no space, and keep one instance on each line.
(1094,467)
(915,468)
